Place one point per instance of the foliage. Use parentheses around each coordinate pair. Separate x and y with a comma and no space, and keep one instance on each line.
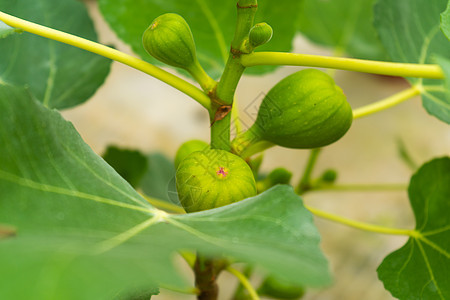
(76,226)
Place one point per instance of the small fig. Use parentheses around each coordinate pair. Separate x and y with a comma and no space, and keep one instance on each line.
(278,289)
(276,176)
(213,178)
(303,111)
(328,176)
(260,34)
(169,39)
(188,148)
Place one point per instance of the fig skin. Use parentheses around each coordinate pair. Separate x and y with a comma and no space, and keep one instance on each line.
(213,178)
(169,39)
(260,34)
(305,110)
(188,148)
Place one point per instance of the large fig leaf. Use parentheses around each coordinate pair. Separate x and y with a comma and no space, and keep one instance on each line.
(410,32)
(212,23)
(345,25)
(421,268)
(72,228)
(58,75)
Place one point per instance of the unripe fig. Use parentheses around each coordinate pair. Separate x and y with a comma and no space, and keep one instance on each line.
(169,39)
(329,176)
(303,111)
(188,148)
(278,289)
(213,178)
(260,34)
(276,176)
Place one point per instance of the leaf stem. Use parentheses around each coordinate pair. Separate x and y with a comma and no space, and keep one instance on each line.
(245,282)
(361,225)
(110,53)
(305,181)
(350,64)
(163,204)
(361,187)
(188,291)
(386,103)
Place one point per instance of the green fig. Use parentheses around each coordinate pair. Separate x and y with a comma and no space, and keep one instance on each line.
(276,176)
(329,176)
(278,289)
(213,178)
(188,148)
(305,110)
(260,34)
(169,39)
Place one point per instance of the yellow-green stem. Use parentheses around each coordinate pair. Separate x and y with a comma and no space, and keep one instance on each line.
(360,187)
(386,103)
(361,225)
(305,181)
(226,88)
(110,53)
(164,205)
(350,64)
(245,282)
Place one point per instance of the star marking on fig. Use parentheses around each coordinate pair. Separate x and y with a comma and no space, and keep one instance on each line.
(222,173)
(154,25)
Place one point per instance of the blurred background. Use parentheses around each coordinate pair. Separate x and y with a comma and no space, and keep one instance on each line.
(135,111)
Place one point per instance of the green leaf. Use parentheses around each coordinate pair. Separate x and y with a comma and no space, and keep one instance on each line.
(58,75)
(76,230)
(409,30)
(212,24)
(420,269)
(159,180)
(343,25)
(6,30)
(130,164)
(445,65)
(445,21)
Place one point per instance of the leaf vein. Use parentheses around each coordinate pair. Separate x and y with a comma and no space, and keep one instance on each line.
(63,191)
(430,271)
